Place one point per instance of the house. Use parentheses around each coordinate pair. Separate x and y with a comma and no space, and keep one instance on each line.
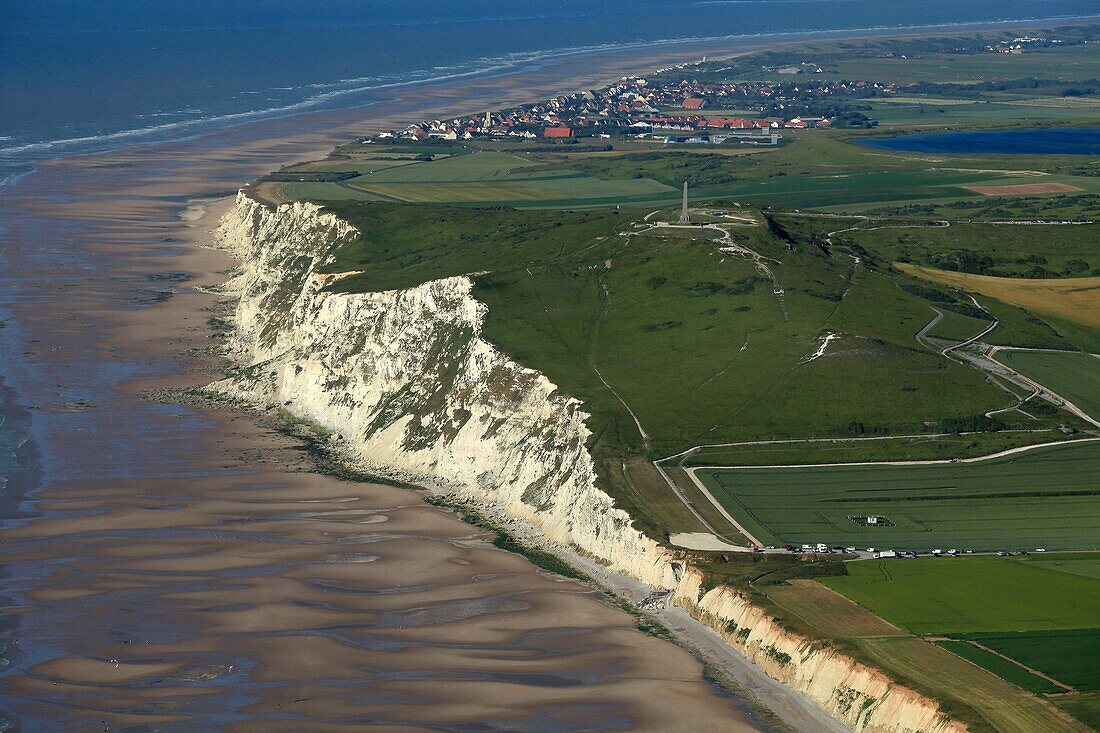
(558,132)
(694,103)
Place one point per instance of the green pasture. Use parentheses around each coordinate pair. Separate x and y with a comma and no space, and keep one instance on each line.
(814,171)
(1068,656)
(1070,63)
(827,170)
(936,114)
(1004,668)
(986,249)
(1084,707)
(968,595)
(1044,497)
(1073,375)
(955,327)
(483,178)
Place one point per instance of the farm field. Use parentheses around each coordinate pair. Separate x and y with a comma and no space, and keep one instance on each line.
(828,611)
(796,324)
(1070,304)
(1044,497)
(479,177)
(1067,656)
(934,114)
(1068,63)
(1075,376)
(983,700)
(816,171)
(1084,707)
(1005,669)
(1032,252)
(968,595)
(1005,615)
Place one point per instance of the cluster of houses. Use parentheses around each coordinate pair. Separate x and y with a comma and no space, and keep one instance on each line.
(635,106)
(1018,45)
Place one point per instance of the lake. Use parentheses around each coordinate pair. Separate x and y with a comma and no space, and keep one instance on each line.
(1038,141)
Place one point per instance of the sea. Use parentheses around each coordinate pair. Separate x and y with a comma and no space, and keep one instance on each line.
(91,76)
(80,77)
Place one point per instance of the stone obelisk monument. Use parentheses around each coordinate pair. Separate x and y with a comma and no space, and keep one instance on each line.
(684,217)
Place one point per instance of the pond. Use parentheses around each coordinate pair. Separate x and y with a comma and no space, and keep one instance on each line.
(1038,141)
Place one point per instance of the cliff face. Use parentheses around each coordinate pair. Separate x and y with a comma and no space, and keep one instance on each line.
(859,695)
(407,381)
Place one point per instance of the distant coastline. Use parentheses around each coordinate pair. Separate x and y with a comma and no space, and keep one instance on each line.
(364,92)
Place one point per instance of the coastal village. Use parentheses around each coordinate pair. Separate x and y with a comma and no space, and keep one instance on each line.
(684,112)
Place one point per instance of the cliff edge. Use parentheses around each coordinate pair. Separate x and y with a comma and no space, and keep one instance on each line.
(410,387)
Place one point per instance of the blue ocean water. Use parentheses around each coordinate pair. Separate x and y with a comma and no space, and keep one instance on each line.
(1039,141)
(79,76)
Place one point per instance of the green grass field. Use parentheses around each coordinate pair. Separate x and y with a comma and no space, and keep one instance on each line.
(972,594)
(1046,497)
(481,177)
(1068,307)
(1067,656)
(1078,62)
(1003,668)
(964,690)
(710,347)
(1083,707)
(1030,610)
(1075,376)
(987,249)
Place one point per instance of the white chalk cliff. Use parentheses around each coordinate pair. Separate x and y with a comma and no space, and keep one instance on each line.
(407,381)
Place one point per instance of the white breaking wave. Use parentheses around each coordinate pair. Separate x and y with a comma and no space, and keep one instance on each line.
(484,66)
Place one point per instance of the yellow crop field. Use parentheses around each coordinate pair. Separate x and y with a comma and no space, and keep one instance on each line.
(1073,299)
(828,611)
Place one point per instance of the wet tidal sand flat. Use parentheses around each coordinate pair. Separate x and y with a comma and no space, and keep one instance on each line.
(178,568)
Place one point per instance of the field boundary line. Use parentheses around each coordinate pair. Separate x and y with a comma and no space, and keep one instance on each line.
(1018,663)
(794,441)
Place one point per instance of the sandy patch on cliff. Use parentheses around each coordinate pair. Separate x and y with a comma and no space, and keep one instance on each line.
(702,541)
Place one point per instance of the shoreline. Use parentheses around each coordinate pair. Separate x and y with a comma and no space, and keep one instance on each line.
(764,700)
(175,335)
(208,507)
(725,46)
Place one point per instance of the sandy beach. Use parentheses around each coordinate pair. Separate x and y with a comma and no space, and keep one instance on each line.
(179,568)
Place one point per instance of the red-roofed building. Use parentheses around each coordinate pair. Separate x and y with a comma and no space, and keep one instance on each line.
(557,132)
(694,103)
